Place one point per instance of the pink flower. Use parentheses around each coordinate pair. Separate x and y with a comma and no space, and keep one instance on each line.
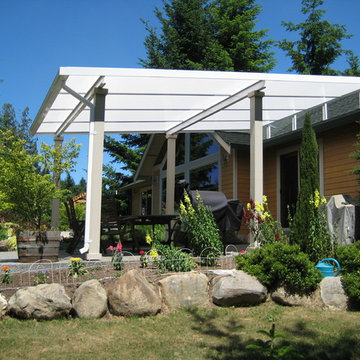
(242,252)
(142,252)
(118,247)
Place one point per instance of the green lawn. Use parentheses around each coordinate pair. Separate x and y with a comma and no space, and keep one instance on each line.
(220,333)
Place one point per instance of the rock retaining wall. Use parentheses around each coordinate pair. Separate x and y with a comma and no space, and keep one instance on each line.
(132,294)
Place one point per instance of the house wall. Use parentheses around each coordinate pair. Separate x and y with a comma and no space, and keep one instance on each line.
(338,145)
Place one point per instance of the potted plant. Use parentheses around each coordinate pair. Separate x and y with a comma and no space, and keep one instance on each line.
(27,187)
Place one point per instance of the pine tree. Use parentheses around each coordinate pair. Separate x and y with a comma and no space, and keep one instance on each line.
(309,182)
(319,43)
(208,35)
(309,226)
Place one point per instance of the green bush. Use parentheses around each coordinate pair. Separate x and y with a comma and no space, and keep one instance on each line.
(171,258)
(349,259)
(279,264)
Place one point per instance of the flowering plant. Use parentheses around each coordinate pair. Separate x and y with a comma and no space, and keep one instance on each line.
(41,277)
(203,233)
(261,224)
(7,276)
(143,259)
(76,268)
(117,256)
(319,242)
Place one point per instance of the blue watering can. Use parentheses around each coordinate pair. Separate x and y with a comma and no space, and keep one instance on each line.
(326,268)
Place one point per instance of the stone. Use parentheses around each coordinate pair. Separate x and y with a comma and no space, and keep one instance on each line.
(41,302)
(3,306)
(90,300)
(239,289)
(282,297)
(132,294)
(184,290)
(333,294)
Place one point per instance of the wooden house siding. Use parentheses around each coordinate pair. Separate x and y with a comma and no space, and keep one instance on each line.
(338,144)
(270,179)
(227,174)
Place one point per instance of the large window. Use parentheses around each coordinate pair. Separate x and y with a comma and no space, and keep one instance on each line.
(205,178)
(197,161)
(202,145)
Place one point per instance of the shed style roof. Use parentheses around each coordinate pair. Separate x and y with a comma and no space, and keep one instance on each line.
(169,101)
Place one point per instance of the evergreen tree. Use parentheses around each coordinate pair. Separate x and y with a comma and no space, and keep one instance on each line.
(238,45)
(309,182)
(20,129)
(127,154)
(319,43)
(354,65)
(208,35)
(309,227)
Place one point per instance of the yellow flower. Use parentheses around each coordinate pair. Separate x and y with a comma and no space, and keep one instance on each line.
(264,199)
(75,259)
(248,206)
(258,207)
(265,215)
(182,208)
(148,239)
(154,254)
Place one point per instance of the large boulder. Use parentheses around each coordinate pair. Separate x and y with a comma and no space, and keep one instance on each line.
(238,289)
(41,302)
(333,294)
(90,300)
(132,294)
(184,290)
(3,306)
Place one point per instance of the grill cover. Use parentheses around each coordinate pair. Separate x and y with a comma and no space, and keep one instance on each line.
(227,213)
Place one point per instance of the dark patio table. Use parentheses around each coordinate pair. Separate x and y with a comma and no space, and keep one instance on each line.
(151,220)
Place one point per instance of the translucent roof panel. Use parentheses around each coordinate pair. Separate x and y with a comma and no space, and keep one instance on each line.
(154,101)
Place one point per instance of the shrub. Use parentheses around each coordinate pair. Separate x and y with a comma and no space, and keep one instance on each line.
(171,258)
(168,257)
(349,259)
(279,264)
(201,227)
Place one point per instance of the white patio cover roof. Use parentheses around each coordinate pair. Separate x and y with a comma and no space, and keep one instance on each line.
(153,101)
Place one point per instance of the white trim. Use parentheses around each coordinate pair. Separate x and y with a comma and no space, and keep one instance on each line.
(241,95)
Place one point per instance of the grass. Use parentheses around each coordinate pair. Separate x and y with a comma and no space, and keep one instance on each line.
(220,333)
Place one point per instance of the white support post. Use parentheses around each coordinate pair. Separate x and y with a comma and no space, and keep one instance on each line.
(170,174)
(55,206)
(256,147)
(94,177)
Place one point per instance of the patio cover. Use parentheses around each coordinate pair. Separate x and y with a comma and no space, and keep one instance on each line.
(95,101)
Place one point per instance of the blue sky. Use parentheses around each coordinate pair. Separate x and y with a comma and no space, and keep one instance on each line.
(39,36)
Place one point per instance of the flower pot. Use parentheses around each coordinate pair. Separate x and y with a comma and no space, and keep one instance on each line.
(34,245)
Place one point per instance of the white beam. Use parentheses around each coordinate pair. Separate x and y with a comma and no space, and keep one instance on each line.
(84,101)
(242,94)
(256,147)
(94,177)
(170,174)
(48,102)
